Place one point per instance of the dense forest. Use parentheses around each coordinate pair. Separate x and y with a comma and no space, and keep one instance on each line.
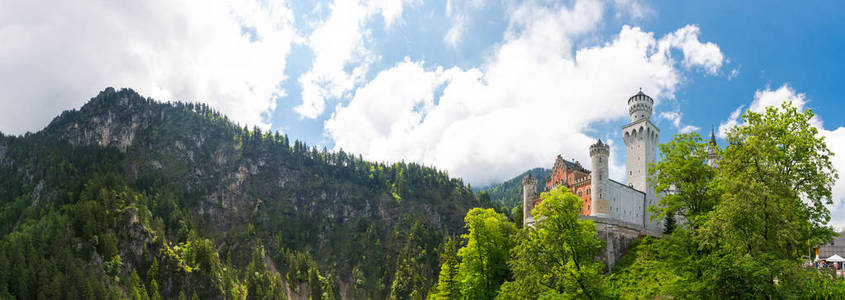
(129,197)
(509,193)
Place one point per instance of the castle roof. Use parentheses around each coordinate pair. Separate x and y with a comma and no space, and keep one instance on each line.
(569,164)
(642,96)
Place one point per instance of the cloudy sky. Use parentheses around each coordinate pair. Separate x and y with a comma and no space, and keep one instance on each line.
(483,89)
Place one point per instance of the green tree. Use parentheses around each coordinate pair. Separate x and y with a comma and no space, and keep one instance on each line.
(516,215)
(777,177)
(153,290)
(690,192)
(745,224)
(557,258)
(484,259)
(447,284)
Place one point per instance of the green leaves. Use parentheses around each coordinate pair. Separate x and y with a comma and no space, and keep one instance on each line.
(744,224)
(684,179)
(484,258)
(557,258)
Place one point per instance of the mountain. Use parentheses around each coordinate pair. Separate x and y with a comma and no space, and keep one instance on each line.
(131,197)
(509,193)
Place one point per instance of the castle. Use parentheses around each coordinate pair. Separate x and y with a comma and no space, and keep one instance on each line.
(605,198)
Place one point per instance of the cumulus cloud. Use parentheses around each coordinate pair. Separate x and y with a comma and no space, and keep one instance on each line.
(338,44)
(732,121)
(762,99)
(674,117)
(835,138)
(696,54)
(535,97)
(230,54)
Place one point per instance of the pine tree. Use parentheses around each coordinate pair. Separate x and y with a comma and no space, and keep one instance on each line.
(447,283)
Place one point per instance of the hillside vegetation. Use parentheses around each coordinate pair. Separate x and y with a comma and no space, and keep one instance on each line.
(129,197)
(509,193)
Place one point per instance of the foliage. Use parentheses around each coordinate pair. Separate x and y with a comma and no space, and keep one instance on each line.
(745,224)
(557,258)
(776,175)
(483,266)
(177,201)
(509,193)
(448,286)
(690,191)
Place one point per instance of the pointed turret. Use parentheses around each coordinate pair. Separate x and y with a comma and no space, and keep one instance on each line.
(712,136)
(712,155)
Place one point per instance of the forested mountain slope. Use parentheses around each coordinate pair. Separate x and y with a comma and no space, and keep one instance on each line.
(509,193)
(130,197)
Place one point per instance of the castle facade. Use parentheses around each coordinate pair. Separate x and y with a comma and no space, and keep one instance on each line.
(605,198)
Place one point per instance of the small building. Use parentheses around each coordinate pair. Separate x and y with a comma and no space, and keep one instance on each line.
(837,246)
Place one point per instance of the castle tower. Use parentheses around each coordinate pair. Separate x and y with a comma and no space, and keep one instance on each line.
(712,156)
(599,154)
(641,137)
(529,195)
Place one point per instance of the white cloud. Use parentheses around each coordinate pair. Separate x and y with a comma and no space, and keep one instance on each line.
(338,44)
(734,72)
(763,99)
(732,121)
(674,117)
(688,129)
(835,138)
(230,54)
(632,8)
(696,54)
(456,33)
(767,97)
(535,97)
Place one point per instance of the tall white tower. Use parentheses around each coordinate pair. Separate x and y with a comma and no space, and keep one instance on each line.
(641,138)
(599,153)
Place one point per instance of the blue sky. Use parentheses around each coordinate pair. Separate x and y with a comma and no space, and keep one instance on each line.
(483,89)
(768,43)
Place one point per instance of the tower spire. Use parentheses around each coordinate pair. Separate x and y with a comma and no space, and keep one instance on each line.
(712,156)
(712,135)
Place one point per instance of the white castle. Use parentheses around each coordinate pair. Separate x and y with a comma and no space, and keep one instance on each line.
(605,198)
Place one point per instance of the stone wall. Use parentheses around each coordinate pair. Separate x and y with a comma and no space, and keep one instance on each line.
(626,203)
(617,236)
